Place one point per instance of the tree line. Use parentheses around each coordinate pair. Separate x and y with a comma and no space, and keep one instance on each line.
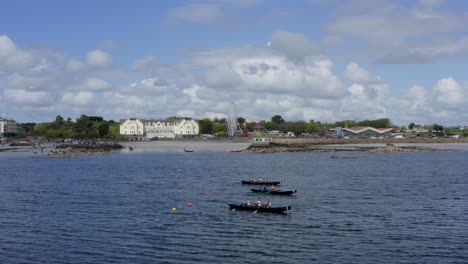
(91,127)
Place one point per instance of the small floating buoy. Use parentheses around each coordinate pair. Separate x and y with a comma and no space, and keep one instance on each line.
(190,204)
(174,209)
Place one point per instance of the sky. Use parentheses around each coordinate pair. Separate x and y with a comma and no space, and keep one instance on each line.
(322,60)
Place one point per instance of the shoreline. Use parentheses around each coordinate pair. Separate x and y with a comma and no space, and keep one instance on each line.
(278,145)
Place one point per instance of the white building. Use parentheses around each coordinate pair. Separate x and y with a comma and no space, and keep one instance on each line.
(159,128)
(7,127)
(132,127)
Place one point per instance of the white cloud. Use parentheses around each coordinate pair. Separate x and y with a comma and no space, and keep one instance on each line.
(78,99)
(26,97)
(7,47)
(263,80)
(99,58)
(448,92)
(75,66)
(12,58)
(355,74)
(94,84)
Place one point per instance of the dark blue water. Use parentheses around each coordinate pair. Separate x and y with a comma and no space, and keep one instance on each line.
(379,208)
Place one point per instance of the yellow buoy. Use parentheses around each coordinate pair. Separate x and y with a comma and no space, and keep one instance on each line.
(174,209)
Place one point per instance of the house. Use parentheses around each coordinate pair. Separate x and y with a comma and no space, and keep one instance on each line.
(151,128)
(366,132)
(132,127)
(7,127)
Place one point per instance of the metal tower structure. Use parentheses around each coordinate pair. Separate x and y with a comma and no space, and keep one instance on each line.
(233,127)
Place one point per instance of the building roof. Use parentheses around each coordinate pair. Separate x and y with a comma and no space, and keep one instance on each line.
(357,130)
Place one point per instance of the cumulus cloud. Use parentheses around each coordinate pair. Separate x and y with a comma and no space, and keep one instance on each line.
(94,84)
(299,84)
(12,58)
(78,99)
(99,58)
(449,92)
(75,66)
(26,97)
(355,74)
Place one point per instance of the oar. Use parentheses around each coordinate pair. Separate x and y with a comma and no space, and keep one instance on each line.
(255,211)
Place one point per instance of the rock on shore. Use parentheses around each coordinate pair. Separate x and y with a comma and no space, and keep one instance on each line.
(274,147)
(73,150)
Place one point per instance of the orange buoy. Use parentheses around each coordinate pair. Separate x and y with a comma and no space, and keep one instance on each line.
(174,209)
(190,204)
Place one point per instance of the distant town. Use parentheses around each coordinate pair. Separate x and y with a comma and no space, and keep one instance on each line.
(93,127)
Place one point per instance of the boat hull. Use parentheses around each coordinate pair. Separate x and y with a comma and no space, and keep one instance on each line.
(273,192)
(261,183)
(278,209)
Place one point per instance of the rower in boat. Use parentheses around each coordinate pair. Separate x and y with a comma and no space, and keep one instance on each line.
(268,204)
(273,188)
(264,189)
(247,202)
(258,203)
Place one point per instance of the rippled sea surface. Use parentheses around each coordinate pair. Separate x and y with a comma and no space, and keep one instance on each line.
(360,208)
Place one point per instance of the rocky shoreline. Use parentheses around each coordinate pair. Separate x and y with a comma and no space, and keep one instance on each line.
(77,150)
(275,147)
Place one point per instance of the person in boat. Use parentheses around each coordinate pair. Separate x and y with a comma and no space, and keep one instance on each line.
(253,179)
(258,203)
(267,180)
(273,188)
(268,204)
(260,179)
(280,189)
(264,189)
(247,202)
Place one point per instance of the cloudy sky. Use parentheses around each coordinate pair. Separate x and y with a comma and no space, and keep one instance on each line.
(325,60)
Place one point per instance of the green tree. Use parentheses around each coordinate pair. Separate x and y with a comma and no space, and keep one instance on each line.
(277,119)
(103,129)
(438,129)
(411,126)
(206,126)
(96,119)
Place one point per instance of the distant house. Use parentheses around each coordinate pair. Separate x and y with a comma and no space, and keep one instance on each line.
(366,132)
(7,127)
(132,127)
(152,128)
(171,129)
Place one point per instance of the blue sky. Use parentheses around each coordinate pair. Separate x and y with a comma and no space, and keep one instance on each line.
(325,60)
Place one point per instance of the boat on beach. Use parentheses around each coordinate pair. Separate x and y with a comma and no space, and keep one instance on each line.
(188,150)
(260,191)
(262,209)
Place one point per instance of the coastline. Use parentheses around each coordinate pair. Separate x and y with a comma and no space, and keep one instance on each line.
(278,145)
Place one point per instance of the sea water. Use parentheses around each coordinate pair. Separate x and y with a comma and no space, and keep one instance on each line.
(357,208)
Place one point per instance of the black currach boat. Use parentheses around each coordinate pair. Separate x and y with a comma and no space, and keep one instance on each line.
(243,207)
(261,182)
(273,192)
